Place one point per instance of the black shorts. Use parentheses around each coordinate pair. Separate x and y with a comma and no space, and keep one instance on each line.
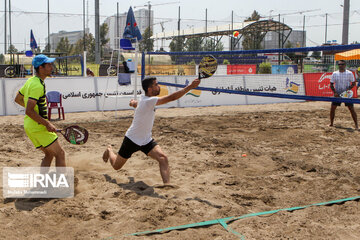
(128,147)
(339,103)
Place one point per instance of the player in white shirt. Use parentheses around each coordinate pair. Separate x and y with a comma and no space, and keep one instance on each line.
(139,135)
(343,80)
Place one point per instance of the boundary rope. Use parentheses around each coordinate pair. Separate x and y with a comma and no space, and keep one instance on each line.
(225,221)
(277,95)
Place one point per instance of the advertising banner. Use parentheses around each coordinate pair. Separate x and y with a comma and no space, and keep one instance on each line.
(284,69)
(318,84)
(241,69)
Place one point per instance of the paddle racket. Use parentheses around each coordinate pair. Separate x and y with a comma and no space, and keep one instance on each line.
(75,134)
(207,67)
(347,94)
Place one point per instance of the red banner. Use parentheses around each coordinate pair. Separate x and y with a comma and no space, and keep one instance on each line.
(318,84)
(241,69)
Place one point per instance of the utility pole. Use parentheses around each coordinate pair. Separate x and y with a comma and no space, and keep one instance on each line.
(84,19)
(326,15)
(149,9)
(232,30)
(345,32)
(10,24)
(303,40)
(48,15)
(117,22)
(206,27)
(97,33)
(178,41)
(84,41)
(5,28)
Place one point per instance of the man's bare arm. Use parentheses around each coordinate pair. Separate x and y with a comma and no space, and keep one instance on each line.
(19,99)
(178,94)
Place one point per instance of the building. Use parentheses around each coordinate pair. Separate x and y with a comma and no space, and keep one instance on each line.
(296,38)
(142,20)
(72,37)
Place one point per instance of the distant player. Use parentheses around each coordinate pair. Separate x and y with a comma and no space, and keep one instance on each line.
(341,81)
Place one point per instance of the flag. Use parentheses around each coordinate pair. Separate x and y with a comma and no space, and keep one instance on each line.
(131,28)
(33,43)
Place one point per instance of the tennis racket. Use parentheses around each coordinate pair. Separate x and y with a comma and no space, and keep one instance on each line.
(347,94)
(75,134)
(207,67)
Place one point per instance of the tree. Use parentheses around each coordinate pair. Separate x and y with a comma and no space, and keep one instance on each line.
(193,45)
(265,68)
(252,40)
(12,49)
(64,46)
(210,45)
(90,47)
(316,54)
(146,44)
(104,29)
(290,54)
(47,48)
(177,44)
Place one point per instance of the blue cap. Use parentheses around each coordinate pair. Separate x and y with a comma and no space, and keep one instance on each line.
(41,59)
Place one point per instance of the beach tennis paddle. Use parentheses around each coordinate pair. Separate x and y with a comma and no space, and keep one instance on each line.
(207,66)
(75,134)
(347,94)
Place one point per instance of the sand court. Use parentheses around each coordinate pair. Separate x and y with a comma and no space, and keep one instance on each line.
(292,159)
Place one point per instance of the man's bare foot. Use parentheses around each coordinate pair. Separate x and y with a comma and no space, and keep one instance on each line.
(107,153)
(166,186)
(331,125)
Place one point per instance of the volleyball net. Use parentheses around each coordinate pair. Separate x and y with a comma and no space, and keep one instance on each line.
(290,73)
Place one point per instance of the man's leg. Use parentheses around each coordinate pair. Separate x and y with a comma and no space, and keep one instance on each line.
(58,152)
(117,162)
(157,154)
(46,161)
(354,116)
(332,114)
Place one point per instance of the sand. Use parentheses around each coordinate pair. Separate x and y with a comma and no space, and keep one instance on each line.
(292,159)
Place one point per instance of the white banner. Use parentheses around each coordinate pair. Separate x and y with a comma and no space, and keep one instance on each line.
(12,87)
(2,97)
(97,94)
(283,83)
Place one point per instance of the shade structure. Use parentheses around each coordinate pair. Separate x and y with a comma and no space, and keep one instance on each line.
(348,55)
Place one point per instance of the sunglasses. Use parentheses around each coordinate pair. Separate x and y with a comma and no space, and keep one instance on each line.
(341,64)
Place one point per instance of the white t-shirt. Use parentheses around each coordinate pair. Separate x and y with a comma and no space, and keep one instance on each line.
(140,131)
(342,80)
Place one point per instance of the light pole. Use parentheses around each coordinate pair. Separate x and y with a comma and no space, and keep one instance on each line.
(345,32)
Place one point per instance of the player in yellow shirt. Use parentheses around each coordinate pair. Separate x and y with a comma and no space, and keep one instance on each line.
(32,96)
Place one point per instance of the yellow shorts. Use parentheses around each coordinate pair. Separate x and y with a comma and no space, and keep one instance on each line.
(41,137)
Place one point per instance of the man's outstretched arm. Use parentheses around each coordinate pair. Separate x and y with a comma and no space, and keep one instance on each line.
(178,94)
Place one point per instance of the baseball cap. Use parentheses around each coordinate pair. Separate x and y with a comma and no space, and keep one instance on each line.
(41,59)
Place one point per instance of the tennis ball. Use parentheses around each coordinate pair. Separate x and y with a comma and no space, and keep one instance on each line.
(235,33)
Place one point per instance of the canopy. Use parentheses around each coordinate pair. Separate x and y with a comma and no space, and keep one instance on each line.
(348,55)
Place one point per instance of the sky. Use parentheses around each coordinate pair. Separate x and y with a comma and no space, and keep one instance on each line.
(67,15)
